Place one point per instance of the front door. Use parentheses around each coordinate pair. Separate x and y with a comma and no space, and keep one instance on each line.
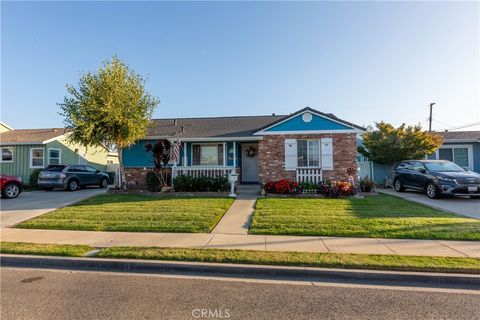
(250,162)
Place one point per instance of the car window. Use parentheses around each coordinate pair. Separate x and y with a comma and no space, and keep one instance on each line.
(90,169)
(402,165)
(55,169)
(418,166)
(408,165)
(76,169)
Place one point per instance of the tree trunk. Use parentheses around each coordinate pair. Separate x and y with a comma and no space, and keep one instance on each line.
(123,183)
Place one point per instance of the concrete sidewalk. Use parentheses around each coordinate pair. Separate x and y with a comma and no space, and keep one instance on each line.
(247,242)
(463,206)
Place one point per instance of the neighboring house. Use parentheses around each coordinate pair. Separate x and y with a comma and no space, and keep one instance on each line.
(461,147)
(306,145)
(24,150)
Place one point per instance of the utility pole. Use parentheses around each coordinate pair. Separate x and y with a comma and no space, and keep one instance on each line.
(430,118)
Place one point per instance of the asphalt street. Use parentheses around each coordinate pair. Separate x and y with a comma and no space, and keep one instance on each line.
(56,294)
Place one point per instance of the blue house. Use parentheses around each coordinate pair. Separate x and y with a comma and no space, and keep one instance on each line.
(460,147)
(307,145)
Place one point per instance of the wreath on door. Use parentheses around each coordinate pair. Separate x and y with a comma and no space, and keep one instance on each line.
(251,152)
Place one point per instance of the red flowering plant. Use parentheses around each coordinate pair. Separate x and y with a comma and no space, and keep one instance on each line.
(281,187)
(336,189)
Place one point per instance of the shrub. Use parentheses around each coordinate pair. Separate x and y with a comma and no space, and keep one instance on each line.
(184,183)
(33,179)
(281,187)
(308,186)
(153,183)
(336,189)
(366,184)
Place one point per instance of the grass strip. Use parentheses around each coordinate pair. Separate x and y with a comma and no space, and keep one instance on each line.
(44,249)
(324,260)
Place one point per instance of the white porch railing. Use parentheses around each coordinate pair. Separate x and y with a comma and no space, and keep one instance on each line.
(202,171)
(309,175)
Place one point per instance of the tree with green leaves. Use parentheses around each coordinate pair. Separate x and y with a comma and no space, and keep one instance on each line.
(388,145)
(109,108)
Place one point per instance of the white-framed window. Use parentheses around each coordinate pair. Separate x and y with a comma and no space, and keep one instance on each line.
(308,153)
(7,154)
(37,158)
(461,155)
(54,156)
(208,154)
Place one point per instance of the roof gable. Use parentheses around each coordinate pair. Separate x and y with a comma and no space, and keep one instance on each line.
(309,120)
(31,136)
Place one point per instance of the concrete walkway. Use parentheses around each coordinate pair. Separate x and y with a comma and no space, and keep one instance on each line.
(464,206)
(237,219)
(247,242)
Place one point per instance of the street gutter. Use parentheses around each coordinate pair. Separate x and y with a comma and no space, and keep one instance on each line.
(354,276)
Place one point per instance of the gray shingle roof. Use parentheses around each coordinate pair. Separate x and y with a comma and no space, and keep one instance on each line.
(240,126)
(30,136)
(460,135)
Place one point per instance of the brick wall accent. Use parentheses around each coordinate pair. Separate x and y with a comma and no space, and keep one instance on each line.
(137,177)
(272,156)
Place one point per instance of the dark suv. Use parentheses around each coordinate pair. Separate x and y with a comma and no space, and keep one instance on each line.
(71,177)
(436,178)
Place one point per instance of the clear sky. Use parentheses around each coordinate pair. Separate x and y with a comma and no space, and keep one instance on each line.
(363,61)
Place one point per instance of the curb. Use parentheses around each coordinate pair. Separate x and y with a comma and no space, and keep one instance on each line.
(395,278)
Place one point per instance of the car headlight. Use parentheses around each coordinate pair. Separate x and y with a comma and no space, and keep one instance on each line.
(447,179)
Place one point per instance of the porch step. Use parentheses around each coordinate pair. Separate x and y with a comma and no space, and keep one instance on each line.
(248,188)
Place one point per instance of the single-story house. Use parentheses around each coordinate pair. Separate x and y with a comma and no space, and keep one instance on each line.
(307,145)
(24,150)
(461,147)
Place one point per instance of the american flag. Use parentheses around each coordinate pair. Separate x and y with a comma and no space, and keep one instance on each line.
(176,151)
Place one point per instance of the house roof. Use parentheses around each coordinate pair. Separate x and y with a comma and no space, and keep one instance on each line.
(459,136)
(30,136)
(216,127)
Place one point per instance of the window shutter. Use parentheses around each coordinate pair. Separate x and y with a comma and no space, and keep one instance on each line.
(326,145)
(290,154)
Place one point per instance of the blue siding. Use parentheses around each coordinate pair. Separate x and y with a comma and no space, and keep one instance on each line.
(317,123)
(136,156)
(475,151)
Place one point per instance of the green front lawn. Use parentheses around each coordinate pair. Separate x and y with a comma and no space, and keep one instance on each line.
(379,216)
(135,213)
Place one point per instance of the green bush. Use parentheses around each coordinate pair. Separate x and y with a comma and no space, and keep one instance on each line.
(366,184)
(153,183)
(184,183)
(33,179)
(308,186)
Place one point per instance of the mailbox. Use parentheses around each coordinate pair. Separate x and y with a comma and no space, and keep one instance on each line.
(233,177)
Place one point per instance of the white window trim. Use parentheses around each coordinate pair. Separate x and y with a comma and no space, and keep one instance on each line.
(59,155)
(206,144)
(308,153)
(1,155)
(454,146)
(31,158)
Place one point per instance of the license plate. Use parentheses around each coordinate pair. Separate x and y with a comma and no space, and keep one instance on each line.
(472,188)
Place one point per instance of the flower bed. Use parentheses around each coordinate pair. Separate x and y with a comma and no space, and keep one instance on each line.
(327,188)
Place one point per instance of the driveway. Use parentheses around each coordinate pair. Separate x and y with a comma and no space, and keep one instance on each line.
(35,203)
(464,206)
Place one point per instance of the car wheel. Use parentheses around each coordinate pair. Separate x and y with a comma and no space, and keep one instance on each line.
(11,190)
(72,185)
(398,185)
(432,191)
(47,188)
(104,183)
